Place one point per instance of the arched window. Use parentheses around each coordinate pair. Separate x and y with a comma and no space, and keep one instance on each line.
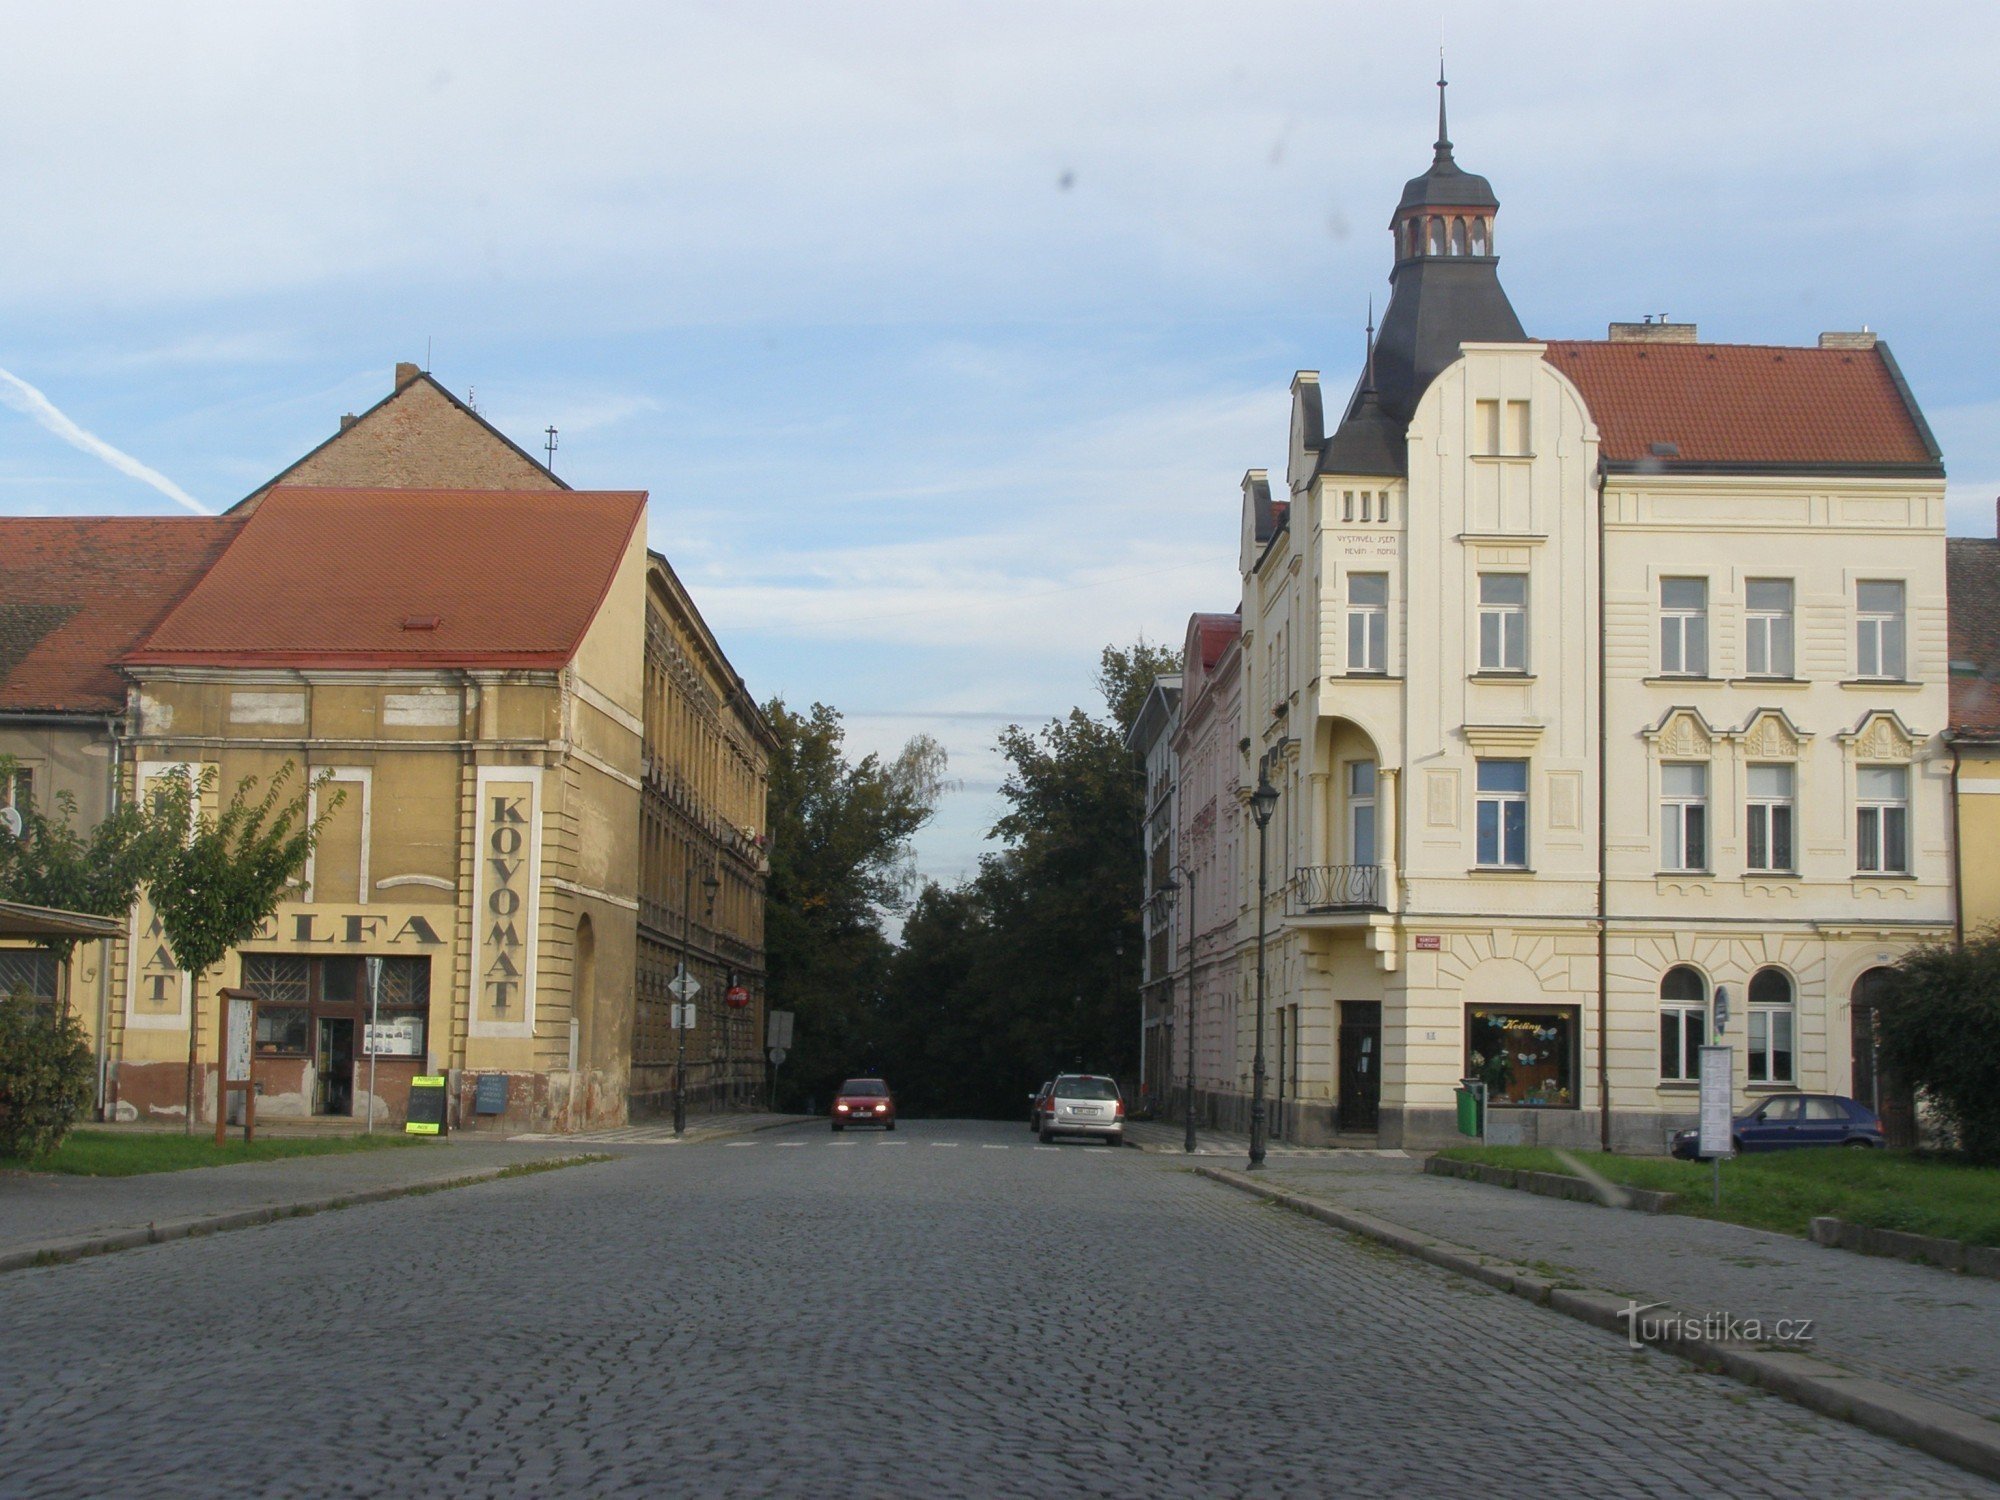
(1683,1023)
(1437,236)
(1458,236)
(1479,235)
(1772,1027)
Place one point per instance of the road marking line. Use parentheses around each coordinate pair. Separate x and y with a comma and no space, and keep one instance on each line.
(741,1145)
(946,1145)
(988,1146)
(893,1143)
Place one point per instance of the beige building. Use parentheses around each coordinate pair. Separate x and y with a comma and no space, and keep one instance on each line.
(1597,680)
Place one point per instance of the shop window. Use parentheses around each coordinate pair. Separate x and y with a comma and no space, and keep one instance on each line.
(404,1008)
(1767,627)
(283,1030)
(1683,1023)
(1772,1027)
(1525,1055)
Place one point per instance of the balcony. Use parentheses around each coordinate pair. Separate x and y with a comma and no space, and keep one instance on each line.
(1336,888)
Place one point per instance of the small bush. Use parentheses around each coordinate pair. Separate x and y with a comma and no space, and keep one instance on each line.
(46,1076)
(1939,1029)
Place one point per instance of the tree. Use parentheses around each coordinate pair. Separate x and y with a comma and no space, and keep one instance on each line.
(46,1076)
(214,880)
(840,859)
(1938,1030)
(100,872)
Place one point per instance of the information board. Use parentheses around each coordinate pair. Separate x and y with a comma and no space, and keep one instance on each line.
(491,1097)
(242,1026)
(395,1037)
(427,1106)
(1718,1106)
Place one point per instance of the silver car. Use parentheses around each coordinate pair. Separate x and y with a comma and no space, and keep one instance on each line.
(1085,1104)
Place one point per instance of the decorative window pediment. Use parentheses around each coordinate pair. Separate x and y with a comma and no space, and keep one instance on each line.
(1501,739)
(1682,734)
(1882,735)
(1770,734)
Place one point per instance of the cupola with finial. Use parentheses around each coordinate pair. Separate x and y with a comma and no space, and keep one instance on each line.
(1446,212)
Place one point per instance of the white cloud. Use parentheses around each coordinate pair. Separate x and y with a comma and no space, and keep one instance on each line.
(31,403)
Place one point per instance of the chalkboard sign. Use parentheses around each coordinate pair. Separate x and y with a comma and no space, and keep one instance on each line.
(426,1116)
(492,1096)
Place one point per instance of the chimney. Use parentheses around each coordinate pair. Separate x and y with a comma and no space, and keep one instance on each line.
(1862,340)
(1653,331)
(405,373)
(347,420)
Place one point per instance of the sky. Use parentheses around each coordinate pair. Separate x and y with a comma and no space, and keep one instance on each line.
(941,334)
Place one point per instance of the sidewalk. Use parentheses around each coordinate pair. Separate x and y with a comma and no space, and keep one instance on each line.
(1930,1333)
(47,1216)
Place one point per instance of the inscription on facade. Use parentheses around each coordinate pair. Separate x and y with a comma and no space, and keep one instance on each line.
(504,902)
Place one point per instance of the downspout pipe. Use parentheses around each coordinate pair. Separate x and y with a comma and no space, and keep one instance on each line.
(1603,847)
(113,728)
(1957,851)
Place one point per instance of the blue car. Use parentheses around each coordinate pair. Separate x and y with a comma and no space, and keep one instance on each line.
(1786,1120)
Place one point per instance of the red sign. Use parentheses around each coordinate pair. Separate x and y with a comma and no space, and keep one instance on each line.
(1429,944)
(737,996)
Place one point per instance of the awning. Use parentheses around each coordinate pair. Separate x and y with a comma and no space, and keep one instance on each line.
(18,920)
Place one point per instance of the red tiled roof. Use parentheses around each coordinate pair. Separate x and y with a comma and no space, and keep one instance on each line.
(1972,593)
(76,592)
(434,578)
(1212,635)
(1747,406)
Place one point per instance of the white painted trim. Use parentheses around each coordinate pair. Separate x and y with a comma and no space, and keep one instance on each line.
(365,775)
(435,882)
(531,915)
(598,764)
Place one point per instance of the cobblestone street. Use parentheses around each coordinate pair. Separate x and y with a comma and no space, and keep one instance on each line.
(949,1310)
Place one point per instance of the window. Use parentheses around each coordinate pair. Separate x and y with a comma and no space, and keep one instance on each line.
(1767,627)
(292,989)
(1518,427)
(18,791)
(1526,1056)
(1492,436)
(1879,630)
(1503,622)
(1347,505)
(1684,627)
(1367,505)
(1486,421)
(1771,1024)
(1770,818)
(31,970)
(1882,819)
(1367,622)
(1683,1023)
(1684,816)
(1361,812)
(1502,814)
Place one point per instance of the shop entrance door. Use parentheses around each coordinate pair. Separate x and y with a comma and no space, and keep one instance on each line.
(334,1062)
(1360,1065)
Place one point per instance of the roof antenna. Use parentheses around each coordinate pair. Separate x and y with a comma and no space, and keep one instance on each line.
(1369,380)
(551,447)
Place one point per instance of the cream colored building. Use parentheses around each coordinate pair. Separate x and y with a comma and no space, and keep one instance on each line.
(1594,678)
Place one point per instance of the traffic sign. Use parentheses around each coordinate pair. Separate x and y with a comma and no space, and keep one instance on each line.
(683,1017)
(737,996)
(684,985)
(777,1055)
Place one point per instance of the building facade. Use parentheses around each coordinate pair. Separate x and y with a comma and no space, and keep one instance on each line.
(1152,740)
(1597,680)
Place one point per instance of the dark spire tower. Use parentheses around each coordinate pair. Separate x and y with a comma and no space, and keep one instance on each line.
(1445,291)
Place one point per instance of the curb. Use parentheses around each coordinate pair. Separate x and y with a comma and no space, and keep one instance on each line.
(1549,1184)
(105,1242)
(1920,1249)
(1942,1431)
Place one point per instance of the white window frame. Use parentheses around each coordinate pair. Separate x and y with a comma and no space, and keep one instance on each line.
(1362,804)
(1500,801)
(1770,634)
(1372,620)
(1882,826)
(1761,816)
(1684,821)
(1881,636)
(1763,1023)
(1687,1059)
(1683,631)
(1495,619)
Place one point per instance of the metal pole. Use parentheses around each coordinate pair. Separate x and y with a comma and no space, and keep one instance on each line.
(711,885)
(1188,1102)
(680,1012)
(374,1031)
(1257,1057)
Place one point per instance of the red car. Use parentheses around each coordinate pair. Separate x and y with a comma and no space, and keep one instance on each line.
(864,1101)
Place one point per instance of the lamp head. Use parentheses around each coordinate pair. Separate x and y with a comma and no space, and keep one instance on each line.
(1263,801)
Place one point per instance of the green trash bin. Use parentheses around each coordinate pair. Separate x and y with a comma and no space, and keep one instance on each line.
(1470,1110)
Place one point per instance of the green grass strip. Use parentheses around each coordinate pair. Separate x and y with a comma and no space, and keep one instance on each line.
(116,1153)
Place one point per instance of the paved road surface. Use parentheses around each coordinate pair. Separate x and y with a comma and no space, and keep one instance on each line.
(949,1310)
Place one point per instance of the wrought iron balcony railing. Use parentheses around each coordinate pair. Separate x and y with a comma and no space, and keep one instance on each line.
(1317,888)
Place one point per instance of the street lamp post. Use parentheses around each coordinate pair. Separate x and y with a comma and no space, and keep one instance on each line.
(1174,878)
(680,1006)
(1263,802)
